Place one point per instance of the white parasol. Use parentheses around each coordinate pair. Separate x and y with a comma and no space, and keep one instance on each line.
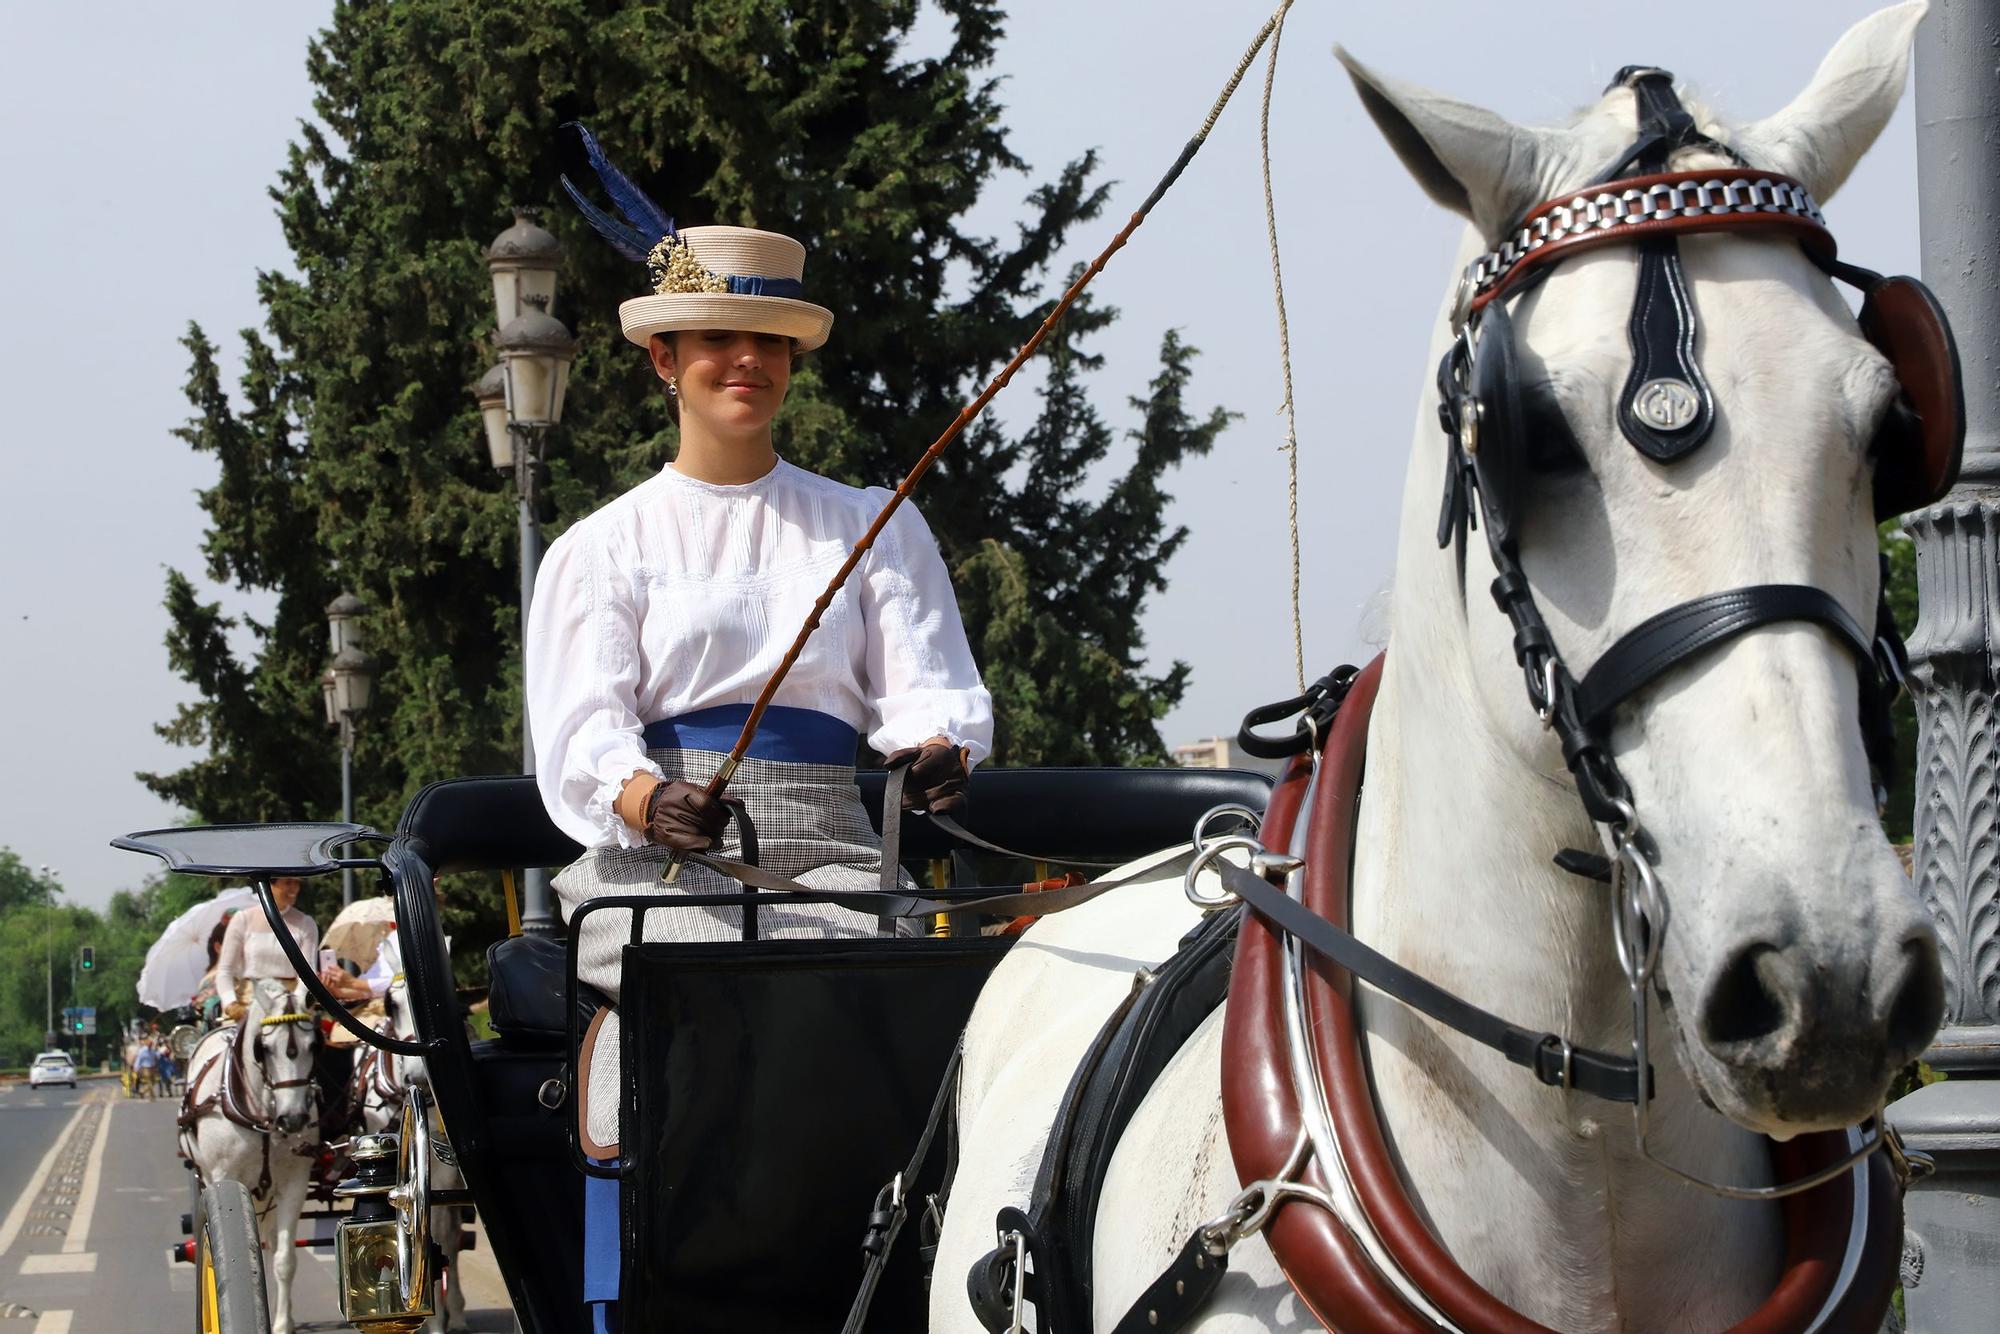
(358,932)
(178,960)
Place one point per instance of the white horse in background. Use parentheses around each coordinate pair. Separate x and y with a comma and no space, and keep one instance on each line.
(381,1081)
(251,1114)
(1748,760)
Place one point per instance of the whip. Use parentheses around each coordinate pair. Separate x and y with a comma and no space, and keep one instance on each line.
(720,781)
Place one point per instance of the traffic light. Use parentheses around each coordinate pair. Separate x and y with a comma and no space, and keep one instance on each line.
(89,960)
(76,1025)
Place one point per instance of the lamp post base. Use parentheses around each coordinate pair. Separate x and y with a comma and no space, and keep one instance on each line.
(537,916)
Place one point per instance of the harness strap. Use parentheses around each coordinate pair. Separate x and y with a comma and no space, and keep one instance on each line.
(875,903)
(1648,650)
(1550,1056)
(892,1206)
(1058,1229)
(1171,1300)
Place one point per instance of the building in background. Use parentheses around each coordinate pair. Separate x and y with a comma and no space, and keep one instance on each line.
(1221,752)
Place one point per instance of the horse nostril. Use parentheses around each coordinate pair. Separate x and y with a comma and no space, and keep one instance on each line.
(1744,1005)
(1918,1007)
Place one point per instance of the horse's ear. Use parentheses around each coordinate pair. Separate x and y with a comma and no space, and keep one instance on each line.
(1823,133)
(1479,165)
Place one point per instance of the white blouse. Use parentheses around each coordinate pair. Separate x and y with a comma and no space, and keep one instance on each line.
(683,595)
(249,950)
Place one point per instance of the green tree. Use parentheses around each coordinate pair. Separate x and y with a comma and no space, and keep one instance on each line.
(1899,815)
(20,886)
(352,456)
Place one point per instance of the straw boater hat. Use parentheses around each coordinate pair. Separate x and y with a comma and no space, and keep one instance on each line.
(702,277)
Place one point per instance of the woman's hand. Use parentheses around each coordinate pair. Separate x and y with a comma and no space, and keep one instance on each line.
(684,817)
(234,1011)
(937,776)
(344,985)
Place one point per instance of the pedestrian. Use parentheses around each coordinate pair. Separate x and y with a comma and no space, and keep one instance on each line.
(145,1068)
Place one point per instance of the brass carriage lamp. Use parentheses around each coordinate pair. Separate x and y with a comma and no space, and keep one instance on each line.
(523,261)
(491,391)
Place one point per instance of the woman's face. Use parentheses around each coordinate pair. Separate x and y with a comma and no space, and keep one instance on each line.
(731,380)
(286,891)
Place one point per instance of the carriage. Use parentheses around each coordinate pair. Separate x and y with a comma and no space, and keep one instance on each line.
(775,1089)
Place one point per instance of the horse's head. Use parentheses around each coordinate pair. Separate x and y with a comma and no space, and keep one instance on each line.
(284,1034)
(1798,970)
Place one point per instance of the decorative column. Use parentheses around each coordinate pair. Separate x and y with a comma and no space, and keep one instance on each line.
(1953,1218)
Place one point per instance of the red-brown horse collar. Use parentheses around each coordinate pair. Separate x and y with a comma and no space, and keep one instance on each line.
(1330,1270)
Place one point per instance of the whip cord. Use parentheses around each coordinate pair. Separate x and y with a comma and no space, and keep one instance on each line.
(1291,445)
(972,409)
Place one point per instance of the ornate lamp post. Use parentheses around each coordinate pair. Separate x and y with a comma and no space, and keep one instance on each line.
(532,377)
(1950,1281)
(346,687)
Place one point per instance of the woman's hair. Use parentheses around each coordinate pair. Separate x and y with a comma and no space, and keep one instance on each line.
(215,940)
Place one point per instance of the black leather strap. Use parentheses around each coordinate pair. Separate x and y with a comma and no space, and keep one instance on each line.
(1035,903)
(1548,1055)
(1654,646)
(885,1221)
(1661,332)
(1171,1300)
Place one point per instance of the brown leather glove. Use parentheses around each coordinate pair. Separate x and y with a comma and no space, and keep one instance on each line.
(937,777)
(684,817)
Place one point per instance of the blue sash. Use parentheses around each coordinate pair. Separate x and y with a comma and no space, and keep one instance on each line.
(796,736)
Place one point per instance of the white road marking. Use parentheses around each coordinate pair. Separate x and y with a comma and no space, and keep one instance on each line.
(61,1262)
(11,1228)
(86,1202)
(53,1322)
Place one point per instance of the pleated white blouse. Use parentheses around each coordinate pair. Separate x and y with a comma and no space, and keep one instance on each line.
(682,595)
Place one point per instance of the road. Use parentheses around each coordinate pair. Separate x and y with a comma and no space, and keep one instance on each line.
(91,1196)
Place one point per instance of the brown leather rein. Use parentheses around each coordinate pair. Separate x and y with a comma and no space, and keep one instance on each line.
(1839,1270)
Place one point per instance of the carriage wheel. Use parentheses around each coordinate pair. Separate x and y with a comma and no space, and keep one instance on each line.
(229,1263)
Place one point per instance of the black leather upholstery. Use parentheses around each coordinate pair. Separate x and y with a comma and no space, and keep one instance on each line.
(1101,815)
(494,822)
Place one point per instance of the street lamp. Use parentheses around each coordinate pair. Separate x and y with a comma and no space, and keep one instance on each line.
(491,391)
(49,947)
(531,381)
(345,688)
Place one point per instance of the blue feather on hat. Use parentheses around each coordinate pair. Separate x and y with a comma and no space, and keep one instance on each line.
(645,224)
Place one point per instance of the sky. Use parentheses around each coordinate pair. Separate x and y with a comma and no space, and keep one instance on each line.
(142,143)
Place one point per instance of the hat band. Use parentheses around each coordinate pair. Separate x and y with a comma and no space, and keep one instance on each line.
(754,285)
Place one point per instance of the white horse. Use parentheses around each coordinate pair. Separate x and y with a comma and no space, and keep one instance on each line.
(1748,760)
(251,1114)
(381,1081)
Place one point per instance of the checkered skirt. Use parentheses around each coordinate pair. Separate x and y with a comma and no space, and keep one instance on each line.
(811,826)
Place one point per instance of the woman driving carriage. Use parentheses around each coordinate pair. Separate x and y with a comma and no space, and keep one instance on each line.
(656,620)
(250,952)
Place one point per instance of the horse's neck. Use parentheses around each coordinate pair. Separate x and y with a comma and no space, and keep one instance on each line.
(1453,878)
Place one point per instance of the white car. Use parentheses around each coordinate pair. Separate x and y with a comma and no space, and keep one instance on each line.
(51,1067)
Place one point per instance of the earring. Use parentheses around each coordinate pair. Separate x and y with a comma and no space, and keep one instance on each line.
(673,387)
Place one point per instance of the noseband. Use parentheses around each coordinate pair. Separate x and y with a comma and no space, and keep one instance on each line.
(1666,411)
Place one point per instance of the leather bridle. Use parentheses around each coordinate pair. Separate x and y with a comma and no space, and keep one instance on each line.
(1579,712)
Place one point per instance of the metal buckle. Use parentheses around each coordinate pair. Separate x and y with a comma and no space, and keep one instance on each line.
(1016,1243)
(1569,1059)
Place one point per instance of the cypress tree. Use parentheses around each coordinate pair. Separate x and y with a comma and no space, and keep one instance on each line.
(353,457)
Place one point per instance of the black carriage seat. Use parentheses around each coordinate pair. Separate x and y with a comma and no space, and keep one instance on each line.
(1087,814)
